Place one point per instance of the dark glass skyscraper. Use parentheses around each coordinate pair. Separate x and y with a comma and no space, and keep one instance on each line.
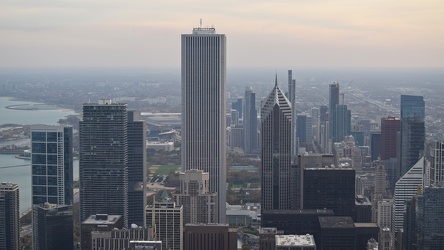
(342,123)
(390,126)
(9,216)
(250,122)
(54,228)
(330,188)
(429,215)
(136,169)
(412,131)
(333,101)
(104,160)
(52,177)
(276,151)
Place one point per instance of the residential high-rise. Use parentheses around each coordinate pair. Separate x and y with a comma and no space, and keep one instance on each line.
(304,130)
(54,227)
(390,126)
(199,205)
(406,187)
(203,108)
(52,177)
(292,98)
(384,214)
(9,216)
(333,101)
(437,168)
(52,164)
(136,169)
(323,128)
(375,145)
(237,105)
(342,123)
(236,134)
(412,131)
(276,152)
(168,220)
(315,123)
(104,160)
(250,122)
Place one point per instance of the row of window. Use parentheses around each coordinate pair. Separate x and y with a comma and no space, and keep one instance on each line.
(45,136)
(44,190)
(44,159)
(44,180)
(44,170)
(43,148)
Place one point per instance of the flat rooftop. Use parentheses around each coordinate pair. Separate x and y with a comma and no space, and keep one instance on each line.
(298,211)
(102,219)
(294,240)
(336,222)
(267,230)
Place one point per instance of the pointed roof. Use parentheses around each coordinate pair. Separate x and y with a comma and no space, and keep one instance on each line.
(276,97)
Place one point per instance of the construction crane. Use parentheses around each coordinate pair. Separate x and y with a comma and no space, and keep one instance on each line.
(346,90)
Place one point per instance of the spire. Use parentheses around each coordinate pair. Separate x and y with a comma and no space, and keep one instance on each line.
(276,80)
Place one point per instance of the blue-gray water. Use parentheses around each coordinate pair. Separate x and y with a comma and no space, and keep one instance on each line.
(22,175)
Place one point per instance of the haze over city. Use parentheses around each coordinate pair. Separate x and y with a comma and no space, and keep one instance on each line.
(221,125)
(346,33)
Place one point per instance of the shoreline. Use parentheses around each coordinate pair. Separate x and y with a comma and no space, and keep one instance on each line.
(36,105)
(31,107)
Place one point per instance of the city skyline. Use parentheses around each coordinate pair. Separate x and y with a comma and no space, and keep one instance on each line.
(360,33)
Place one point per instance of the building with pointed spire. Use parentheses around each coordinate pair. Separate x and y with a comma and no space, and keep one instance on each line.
(276,151)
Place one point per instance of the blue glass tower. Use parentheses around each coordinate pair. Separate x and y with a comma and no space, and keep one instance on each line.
(412,132)
(52,166)
(52,177)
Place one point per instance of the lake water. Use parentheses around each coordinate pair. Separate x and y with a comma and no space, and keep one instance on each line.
(21,175)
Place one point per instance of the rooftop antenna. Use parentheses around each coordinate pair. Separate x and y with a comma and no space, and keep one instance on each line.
(276,80)
(201,23)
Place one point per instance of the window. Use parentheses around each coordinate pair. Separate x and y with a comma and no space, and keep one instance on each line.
(52,136)
(39,136)
(52,181)
(52,159)
(38,170)
(39,180)
(38,158)
(51,148)
(38,148)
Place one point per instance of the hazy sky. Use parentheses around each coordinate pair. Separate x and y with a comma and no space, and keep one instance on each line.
(294,33)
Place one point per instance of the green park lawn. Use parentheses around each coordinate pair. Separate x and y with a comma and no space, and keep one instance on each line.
(163,169)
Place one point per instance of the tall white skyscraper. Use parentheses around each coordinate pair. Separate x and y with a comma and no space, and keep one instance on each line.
(405,189)
(203,108)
